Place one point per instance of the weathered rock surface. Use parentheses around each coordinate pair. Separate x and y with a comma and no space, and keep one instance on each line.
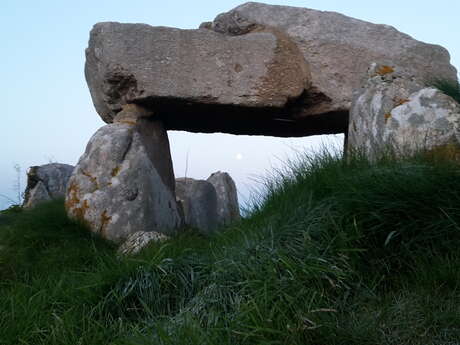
(393,111)
(138,63)
(227,199)
(199,203)
(124,182)
(46,182)
(139,240)
(338,49)
(257,69)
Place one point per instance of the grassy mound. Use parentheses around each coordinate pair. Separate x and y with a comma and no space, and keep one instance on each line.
(333,252)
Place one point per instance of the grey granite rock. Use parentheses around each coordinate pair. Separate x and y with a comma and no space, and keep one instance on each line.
(398,113)
(199,202)
(46,182)
(124,181)
(227,198)
(338,49)
(138,63)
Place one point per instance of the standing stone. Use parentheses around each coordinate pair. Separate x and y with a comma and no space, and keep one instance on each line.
(124,182)
(46,182)
(199,202)
(227,199)
(338,49)
(395,112)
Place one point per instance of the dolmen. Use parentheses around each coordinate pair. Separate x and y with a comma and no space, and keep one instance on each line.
(256,70)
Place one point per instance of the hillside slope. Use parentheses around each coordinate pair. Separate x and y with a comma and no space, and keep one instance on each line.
(333,252)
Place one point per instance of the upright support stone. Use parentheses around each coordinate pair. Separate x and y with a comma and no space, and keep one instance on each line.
(124,182)
(227,198)
(395,112)
(199,202)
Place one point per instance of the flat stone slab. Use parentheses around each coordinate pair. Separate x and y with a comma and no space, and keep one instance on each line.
(338,49)
(256,70)
(138,63)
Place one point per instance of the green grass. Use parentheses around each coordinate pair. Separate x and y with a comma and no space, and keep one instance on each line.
(332,252)
(450,88)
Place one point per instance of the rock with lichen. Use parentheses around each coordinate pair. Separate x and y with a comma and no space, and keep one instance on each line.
(337,48)
(46,182)
(124,182)
(393,111)
(157,66)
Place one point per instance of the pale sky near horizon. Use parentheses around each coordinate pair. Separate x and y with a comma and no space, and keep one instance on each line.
(49,115)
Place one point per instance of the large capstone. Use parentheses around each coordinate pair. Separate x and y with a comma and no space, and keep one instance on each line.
(46,182)
(124,182)
(338,50)
(165,68)
(257,69)
(393,112)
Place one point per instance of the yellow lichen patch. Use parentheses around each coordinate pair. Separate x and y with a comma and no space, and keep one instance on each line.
(384,69)
(105,219)
(92,178)
(387,117)
(400,101)
(79,212)
(73,203)
(72,199)
(115,171)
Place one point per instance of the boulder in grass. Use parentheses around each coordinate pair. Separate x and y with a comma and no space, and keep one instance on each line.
(46,182)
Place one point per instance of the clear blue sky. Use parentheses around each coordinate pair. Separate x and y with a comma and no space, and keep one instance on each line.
(47,113)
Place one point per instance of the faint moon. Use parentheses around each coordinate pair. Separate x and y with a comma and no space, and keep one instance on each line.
(239,156)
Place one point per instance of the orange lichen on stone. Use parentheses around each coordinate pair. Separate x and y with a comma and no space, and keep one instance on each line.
(105,219)
(73,203)
(115,171)
(73,199)
(384,69)
(92,178)
(387,117)
(400,101)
